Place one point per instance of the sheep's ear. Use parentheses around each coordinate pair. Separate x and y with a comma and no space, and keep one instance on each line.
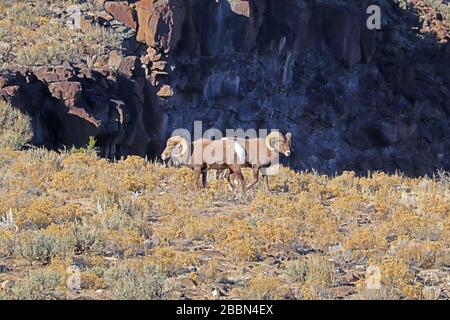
(289,138)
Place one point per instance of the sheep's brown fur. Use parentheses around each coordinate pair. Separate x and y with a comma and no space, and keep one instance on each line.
(206,155)
(260,153)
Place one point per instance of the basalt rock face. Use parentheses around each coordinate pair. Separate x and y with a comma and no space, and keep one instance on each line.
(354,98)
(70,104)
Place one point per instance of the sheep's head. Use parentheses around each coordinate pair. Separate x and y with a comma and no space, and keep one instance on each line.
(276,141)
(176,148)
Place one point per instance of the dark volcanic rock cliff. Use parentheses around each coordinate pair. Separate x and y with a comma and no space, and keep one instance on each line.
(354,98)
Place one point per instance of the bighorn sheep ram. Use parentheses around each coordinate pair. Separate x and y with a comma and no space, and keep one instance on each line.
(260,153)
(206,155)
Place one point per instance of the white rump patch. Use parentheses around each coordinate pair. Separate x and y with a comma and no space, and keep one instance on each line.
(240,152)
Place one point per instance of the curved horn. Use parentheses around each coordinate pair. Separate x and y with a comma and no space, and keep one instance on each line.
(184,145)
(273,135)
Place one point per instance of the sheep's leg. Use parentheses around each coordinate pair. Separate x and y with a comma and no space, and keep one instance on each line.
(255,174)
(240,178)
(227,176)
(266,183)
(197,173)
(124,154)
(113,153)
(204,179)
(105,152)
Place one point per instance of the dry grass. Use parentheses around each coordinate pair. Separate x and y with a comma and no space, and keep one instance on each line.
(119,219)
(29,36)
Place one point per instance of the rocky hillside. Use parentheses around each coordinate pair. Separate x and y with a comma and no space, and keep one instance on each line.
(130,72)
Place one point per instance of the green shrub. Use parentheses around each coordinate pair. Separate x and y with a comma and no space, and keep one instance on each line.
(6,243)
(38,285)
(15,127)
(52,53)
(130,284)
(36,247)
(26,15)
(90,240)
(41,246)
(317,270)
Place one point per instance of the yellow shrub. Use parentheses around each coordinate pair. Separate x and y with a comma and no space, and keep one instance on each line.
(365,242)
(264,288)
(398,279)
(171,260)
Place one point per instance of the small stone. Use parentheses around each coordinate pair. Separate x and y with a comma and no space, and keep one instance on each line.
(188,283)
(272,261)
(73,8)
(83,21)
(159,65)
(226,281)
(70,22)
(165,91)
(115,59)
(153,54)
(8,284)
(218,291)
(342,291)
(104,16)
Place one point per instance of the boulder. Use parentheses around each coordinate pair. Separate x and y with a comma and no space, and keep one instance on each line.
(104,17)
(130,66)
(65,90)
(165,91)
(241,7)
(53,74)
(115,59)
(160,22)
(122,12)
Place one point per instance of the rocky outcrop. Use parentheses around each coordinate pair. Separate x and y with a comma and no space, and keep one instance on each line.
(160,22)
(69,104)
(355,98)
